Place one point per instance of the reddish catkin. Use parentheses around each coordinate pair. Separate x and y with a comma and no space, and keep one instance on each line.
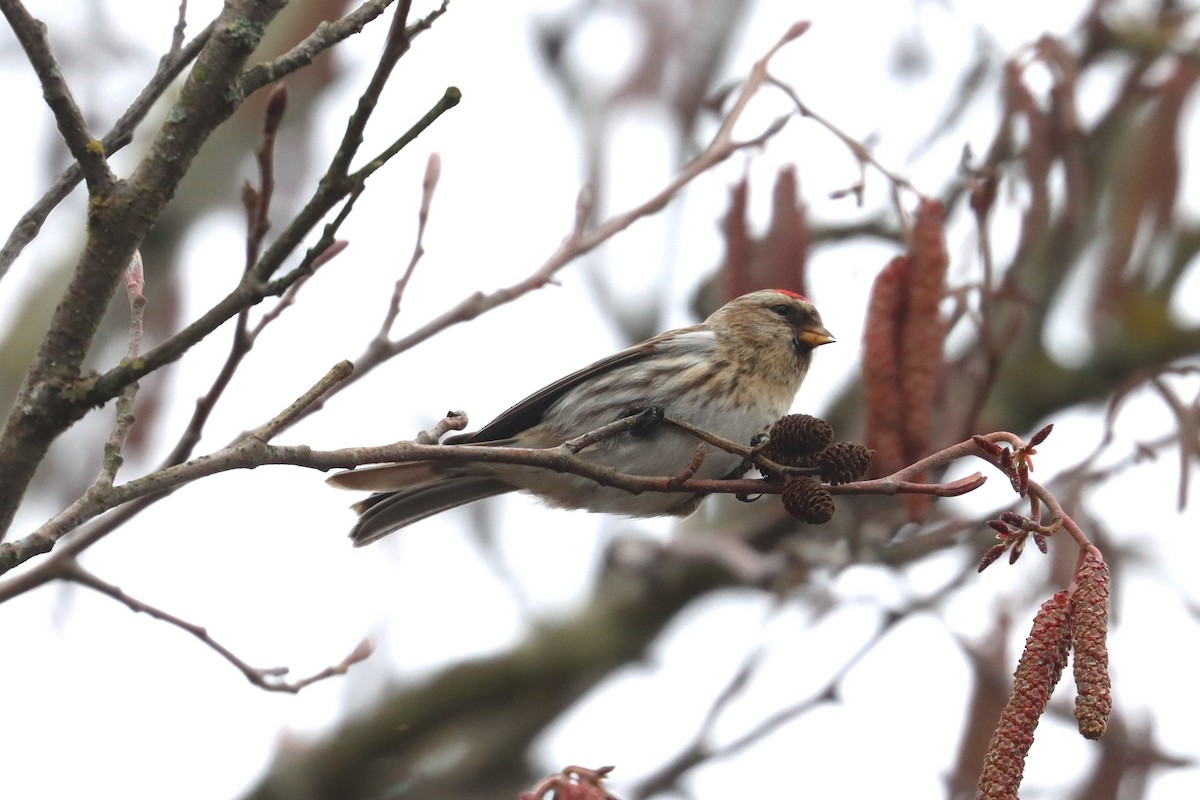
(736,278)
(881,366)
(1038,671)
(787,240)
(1089,633)
(924,332)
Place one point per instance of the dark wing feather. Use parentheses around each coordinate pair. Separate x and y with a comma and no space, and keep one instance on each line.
(384,512)
(532,409)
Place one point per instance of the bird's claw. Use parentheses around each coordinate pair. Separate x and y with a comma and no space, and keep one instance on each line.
(649,419)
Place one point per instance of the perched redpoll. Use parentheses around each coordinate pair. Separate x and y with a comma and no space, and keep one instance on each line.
(733,375)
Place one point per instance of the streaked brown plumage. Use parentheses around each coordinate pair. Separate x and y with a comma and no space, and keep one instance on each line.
(732,375)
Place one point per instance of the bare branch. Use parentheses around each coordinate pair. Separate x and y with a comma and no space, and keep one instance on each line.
(135,283)
(257,201)
(453,421)
(614,428)
(253,289)
(701,749)
(253,450)
(394,47)
(282,421)
(177,33)
(121,133)
(289,297)
(433,170)
(272,679)
(857,149)
(323,38)
(87,152)
(580,241)
(54,393)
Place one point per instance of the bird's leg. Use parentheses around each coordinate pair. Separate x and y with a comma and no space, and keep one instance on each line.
(757,442)
(649,419)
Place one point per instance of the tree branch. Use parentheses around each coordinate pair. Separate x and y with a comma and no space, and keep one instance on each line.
(326,35)
(121,133)
(251,290)
(87,152)
(253,450)
(580,240)
(272,679)
(50,399)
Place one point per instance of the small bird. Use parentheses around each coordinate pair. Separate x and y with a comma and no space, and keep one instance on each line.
(732,375)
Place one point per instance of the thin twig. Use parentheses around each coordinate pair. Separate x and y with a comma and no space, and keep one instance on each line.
(286,418)
(433,170)
(135,283)
(1188,420)
(689,471)
(87,152)
(453,421)
(121,133)
(176,34)
(700,749)
(326,35)
(728,446)
(253,289)
(604,432)
(751,453)
(271,679)
(580,240)
(288,299)
(257,200)
(394,48)
(860,151)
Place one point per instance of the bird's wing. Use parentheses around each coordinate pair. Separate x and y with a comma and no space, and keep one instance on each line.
(532,409)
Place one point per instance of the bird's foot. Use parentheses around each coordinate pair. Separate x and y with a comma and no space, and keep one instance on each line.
(649,419)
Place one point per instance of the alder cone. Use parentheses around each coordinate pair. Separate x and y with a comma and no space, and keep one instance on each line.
(843,462)
(805,499)
(800,434)
(795,439)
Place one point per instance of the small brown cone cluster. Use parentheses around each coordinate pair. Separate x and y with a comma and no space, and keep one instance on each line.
(796,437)
(805,499)
(802,440)
(843,462)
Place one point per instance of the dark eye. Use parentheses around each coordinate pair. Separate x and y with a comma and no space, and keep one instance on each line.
(782,310)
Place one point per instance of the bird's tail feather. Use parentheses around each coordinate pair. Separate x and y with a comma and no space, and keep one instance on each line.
(382,513)
(385,477)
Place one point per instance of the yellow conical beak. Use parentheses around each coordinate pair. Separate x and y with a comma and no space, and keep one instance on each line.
(815,337)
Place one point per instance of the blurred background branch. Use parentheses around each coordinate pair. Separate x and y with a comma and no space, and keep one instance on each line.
(1057,288)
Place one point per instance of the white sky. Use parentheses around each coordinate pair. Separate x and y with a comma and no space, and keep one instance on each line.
(103,702)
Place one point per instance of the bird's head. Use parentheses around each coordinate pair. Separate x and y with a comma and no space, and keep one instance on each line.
(771,316)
